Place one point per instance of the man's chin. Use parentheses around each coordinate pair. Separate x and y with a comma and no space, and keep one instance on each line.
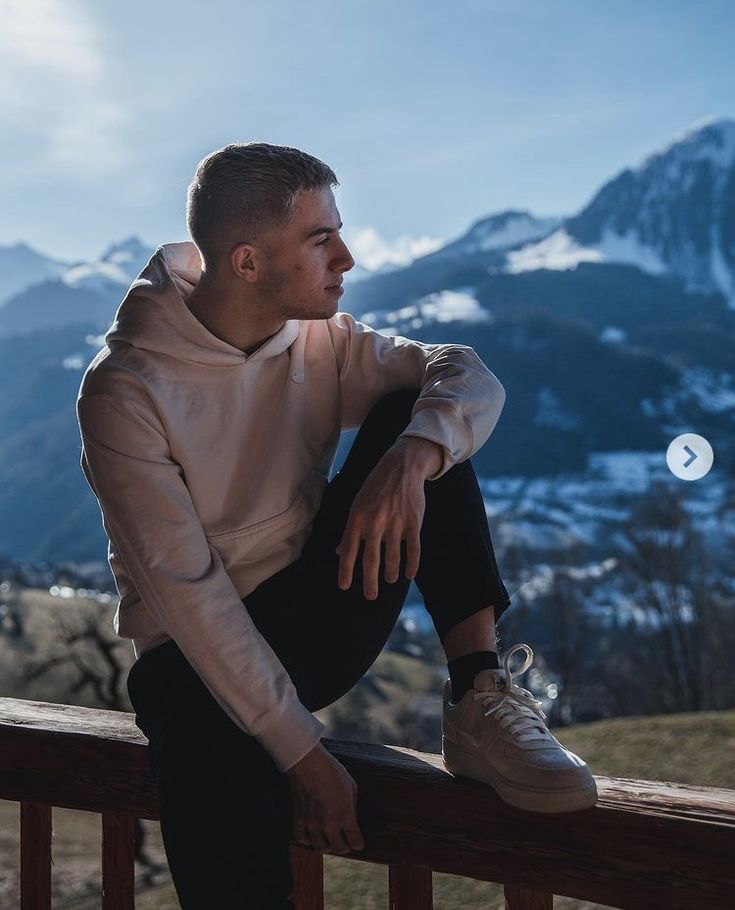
(324,312)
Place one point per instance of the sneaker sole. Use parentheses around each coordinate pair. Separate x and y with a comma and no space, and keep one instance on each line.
(460,763)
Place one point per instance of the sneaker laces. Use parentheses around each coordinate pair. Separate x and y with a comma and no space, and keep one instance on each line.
(515,707)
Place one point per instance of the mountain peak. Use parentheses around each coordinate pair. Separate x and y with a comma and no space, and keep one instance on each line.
(131,249)
(118,265)
(21,265)
(501,230)
(710,139)
(672,213)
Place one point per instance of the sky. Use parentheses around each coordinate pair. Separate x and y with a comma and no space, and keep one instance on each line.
(432,115)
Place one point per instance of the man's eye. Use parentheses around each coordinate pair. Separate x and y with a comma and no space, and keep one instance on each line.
(323,242)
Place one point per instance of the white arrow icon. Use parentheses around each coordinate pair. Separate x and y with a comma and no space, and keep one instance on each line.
(692,456)
(689,456)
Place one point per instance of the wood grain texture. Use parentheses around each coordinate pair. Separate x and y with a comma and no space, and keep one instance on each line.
(36,828)
(646,844)
(410,887)
(517,898)
(118,862)
(307,867)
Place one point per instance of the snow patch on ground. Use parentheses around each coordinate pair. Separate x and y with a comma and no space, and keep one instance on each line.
(714,392)
(557,251)
(560,251)
(95,275)
(459,304)
(519,229)
(611,334)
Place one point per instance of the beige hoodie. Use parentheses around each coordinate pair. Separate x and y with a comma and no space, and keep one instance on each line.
(209,465)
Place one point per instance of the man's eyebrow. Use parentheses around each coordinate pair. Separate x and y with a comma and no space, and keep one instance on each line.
(323,230)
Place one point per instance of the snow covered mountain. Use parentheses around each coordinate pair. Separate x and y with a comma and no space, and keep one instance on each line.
(510,228)
(22,266)
(45,293)
(118,265)
(673,214)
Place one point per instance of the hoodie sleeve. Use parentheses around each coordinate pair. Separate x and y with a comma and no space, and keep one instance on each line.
(460,399)
(149,515)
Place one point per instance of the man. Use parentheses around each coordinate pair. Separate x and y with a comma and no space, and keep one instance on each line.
(255,590)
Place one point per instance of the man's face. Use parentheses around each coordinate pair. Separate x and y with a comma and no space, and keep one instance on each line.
(304,261)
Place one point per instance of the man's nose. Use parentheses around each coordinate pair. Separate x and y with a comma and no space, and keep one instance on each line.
(346,256)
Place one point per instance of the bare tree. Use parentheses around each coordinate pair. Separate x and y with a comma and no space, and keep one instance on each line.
(12,625)
(89,660)
(686,615)
(570,626)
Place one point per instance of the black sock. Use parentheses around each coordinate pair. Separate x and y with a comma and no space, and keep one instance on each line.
(462,670)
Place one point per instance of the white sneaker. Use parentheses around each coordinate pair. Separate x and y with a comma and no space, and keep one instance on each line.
(497,734)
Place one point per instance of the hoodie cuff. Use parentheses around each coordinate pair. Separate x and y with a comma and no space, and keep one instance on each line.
(451,432)
(291,735)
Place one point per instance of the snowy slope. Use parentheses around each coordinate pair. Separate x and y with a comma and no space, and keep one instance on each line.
(672,214)
(503,230)
(455,305)
(118,265)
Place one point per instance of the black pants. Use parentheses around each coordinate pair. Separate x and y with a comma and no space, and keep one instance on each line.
(224,806)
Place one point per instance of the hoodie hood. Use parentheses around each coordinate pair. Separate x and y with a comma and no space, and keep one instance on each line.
(153,315)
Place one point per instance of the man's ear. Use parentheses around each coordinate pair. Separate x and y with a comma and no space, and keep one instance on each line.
(245,261)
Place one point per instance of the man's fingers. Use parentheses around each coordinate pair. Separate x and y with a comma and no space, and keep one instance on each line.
(355,839)
(347,554)
(349,549)
(392,559)
(413,555)
(371,567)
(337,840)
(317,839)
(299,835)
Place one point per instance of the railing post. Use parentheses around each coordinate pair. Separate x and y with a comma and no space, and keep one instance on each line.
(410,887)
(307,869)
(520,898)
(35,856)
(118,861)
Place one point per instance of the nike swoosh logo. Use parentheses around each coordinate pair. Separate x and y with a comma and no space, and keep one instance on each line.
(473,739)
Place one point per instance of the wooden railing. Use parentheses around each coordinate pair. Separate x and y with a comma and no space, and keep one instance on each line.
(645,845)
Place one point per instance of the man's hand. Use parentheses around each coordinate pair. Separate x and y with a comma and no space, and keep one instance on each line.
(324,800)
(389,507)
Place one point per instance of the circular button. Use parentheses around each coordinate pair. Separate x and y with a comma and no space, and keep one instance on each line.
(689,456)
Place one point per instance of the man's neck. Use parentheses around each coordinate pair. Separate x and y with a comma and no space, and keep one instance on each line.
(229,320)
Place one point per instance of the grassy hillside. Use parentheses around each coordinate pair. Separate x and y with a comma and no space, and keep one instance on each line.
(691,748)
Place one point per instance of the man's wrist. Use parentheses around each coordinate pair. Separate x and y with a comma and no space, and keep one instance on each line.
(424,455)
(305,763)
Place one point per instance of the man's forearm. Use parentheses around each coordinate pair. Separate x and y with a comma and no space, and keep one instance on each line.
(422,455)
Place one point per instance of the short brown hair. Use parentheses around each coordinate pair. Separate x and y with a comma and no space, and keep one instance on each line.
(244,188)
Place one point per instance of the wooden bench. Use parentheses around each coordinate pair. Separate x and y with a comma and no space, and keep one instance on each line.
(645,845)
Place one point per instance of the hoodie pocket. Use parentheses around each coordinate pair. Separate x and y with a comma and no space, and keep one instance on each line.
(263,526)
(263,539)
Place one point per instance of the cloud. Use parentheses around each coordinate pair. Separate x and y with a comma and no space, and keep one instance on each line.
(49,35)
(372,251)
(54,90)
